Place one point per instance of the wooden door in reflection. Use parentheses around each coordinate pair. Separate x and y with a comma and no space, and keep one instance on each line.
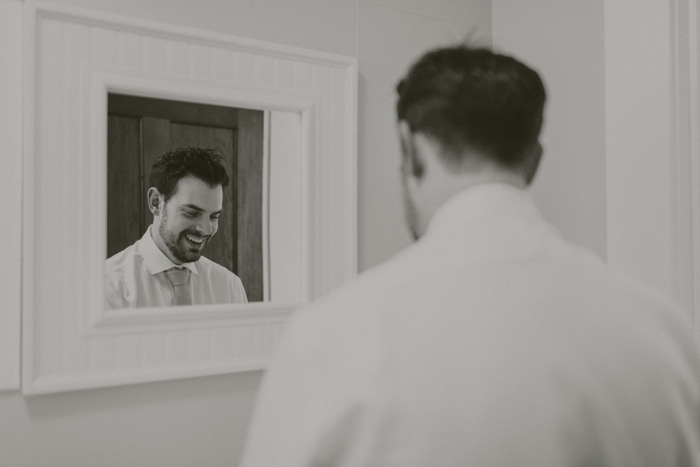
(141,129)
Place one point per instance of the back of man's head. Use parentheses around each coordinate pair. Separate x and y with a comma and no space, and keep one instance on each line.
(172,166)
(475,101)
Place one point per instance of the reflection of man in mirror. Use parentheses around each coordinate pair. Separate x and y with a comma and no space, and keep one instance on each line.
(492,340)
(166,267)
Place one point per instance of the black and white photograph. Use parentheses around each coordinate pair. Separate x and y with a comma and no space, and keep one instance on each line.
(357,233)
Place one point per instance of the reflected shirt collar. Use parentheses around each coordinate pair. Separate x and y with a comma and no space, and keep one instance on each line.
(154,259)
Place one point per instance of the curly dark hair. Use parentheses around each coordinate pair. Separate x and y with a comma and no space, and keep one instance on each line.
(204,164)
(474,98)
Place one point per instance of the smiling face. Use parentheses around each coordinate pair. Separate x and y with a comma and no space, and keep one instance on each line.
(183,225)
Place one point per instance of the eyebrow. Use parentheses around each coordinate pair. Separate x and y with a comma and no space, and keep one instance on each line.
(197,208)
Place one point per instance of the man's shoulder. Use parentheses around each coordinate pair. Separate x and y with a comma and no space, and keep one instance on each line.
(119,260)
(372,290)
(214,269)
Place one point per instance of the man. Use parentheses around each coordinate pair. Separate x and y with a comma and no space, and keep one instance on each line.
(491,341)
(166,267)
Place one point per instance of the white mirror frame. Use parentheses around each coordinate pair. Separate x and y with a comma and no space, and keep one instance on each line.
(11,190)
(74,58)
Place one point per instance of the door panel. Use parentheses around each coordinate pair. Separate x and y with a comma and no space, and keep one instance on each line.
(249,190)
(127,202)
(155,135)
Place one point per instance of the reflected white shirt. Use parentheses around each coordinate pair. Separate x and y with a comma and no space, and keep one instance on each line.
(489,342)
(135,278)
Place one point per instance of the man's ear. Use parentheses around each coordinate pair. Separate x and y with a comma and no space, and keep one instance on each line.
(533,162)
(155,201)
(412,158)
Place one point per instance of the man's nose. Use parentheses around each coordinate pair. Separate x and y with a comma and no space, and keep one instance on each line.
(206,228)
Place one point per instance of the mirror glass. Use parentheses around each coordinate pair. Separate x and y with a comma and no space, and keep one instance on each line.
(140,130)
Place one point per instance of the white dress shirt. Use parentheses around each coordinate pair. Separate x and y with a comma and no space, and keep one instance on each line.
(489,342)
(135,278)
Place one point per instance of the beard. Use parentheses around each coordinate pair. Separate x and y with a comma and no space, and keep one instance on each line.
(183,249)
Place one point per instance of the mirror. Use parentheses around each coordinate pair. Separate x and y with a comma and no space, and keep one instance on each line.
(140,130)
(304,230)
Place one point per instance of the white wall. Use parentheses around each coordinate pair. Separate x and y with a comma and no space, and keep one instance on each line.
(619,135)
(642,141)
(564,41)
(194,422)
(202,421)
(326,25)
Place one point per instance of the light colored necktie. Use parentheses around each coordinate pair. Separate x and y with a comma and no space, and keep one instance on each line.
(178,278)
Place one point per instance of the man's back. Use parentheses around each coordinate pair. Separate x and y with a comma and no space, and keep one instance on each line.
(490,342)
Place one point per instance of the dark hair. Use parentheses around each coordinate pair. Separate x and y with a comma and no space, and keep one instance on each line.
(204,164)
(474,98)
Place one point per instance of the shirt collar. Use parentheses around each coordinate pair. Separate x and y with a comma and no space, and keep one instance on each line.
(488,201)
(155,260)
